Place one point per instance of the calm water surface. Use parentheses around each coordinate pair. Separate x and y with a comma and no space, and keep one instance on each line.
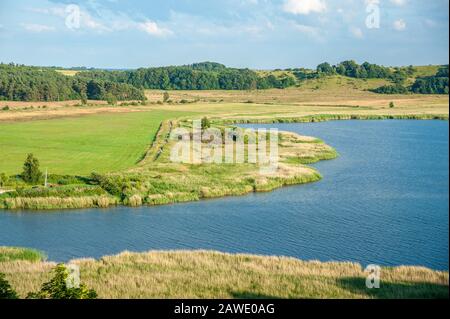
(385,200)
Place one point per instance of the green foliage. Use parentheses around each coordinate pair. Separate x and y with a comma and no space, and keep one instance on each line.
(4,179)
(5,108)
(391,105)
(8,254)
(437,84)
(325,68)
(57,287)
(200,76)
(31,173)
(205,123)
(84,99)
(25,83)
(6,292)
(111,99)
(391,89)
(166,97)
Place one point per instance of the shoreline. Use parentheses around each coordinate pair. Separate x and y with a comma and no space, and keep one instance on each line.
(152,155)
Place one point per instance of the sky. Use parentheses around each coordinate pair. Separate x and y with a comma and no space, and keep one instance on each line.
(258,34)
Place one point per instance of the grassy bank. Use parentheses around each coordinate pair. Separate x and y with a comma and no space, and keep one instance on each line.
(11,254)
(202,274)
(156,180)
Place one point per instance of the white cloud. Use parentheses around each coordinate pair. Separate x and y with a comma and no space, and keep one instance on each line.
(304,6)
(400,25)
(357,32)
(37,28)
(154,29)
(310,31)
(399,3)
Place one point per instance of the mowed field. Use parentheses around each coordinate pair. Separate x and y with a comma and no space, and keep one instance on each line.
(80,145)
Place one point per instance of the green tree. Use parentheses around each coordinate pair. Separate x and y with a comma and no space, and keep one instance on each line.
(57,288)
(111,99)
(84,99)
(166,97)
(3,179)
(31,173)
(6,292)
(325,68)
(205,123)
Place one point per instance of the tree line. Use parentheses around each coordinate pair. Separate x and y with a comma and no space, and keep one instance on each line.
(199,76)
(436,84)
(26,83)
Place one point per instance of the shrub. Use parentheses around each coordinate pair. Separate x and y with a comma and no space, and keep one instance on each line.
(166,97)
(3,179)
(391,89)
(205,123)
(5,108)
(111,99)
(57,288)
(31,173)
(6,292)
(391,105)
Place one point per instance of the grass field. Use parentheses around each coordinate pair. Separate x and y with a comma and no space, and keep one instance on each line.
(202,274)
(112,140)
(79,146)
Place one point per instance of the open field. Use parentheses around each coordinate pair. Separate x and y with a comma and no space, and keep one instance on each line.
(79,146)
(203,274)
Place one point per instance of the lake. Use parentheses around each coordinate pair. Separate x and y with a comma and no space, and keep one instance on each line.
(385,200)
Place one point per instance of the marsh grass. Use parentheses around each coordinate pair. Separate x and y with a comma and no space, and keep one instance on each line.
(9,254)
(206,274)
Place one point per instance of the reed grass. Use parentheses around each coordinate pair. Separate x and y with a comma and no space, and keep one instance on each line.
(206,274)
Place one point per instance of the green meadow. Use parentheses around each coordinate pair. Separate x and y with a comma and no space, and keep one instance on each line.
(81,145)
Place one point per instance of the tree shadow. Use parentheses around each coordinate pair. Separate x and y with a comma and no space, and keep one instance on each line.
(388,290)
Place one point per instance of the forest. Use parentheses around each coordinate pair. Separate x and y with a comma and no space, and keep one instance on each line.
(199,76)
(27,83)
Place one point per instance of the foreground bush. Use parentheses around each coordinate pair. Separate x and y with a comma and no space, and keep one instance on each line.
(6,292)
(57,288)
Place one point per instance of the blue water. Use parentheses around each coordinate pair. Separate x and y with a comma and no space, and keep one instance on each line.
(385,200)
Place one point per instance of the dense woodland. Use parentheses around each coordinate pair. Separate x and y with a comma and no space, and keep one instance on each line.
(25,83)
(200,76)
(436,84)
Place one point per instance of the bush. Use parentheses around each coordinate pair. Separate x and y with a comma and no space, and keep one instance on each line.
(5,108)
(3,179)
(57,288)
(166,97)
(391,105)
(391,89)
(31,173)
(111,99)
(205,123)
(6,292)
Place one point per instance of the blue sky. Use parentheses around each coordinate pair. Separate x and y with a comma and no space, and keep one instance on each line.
(260,34)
